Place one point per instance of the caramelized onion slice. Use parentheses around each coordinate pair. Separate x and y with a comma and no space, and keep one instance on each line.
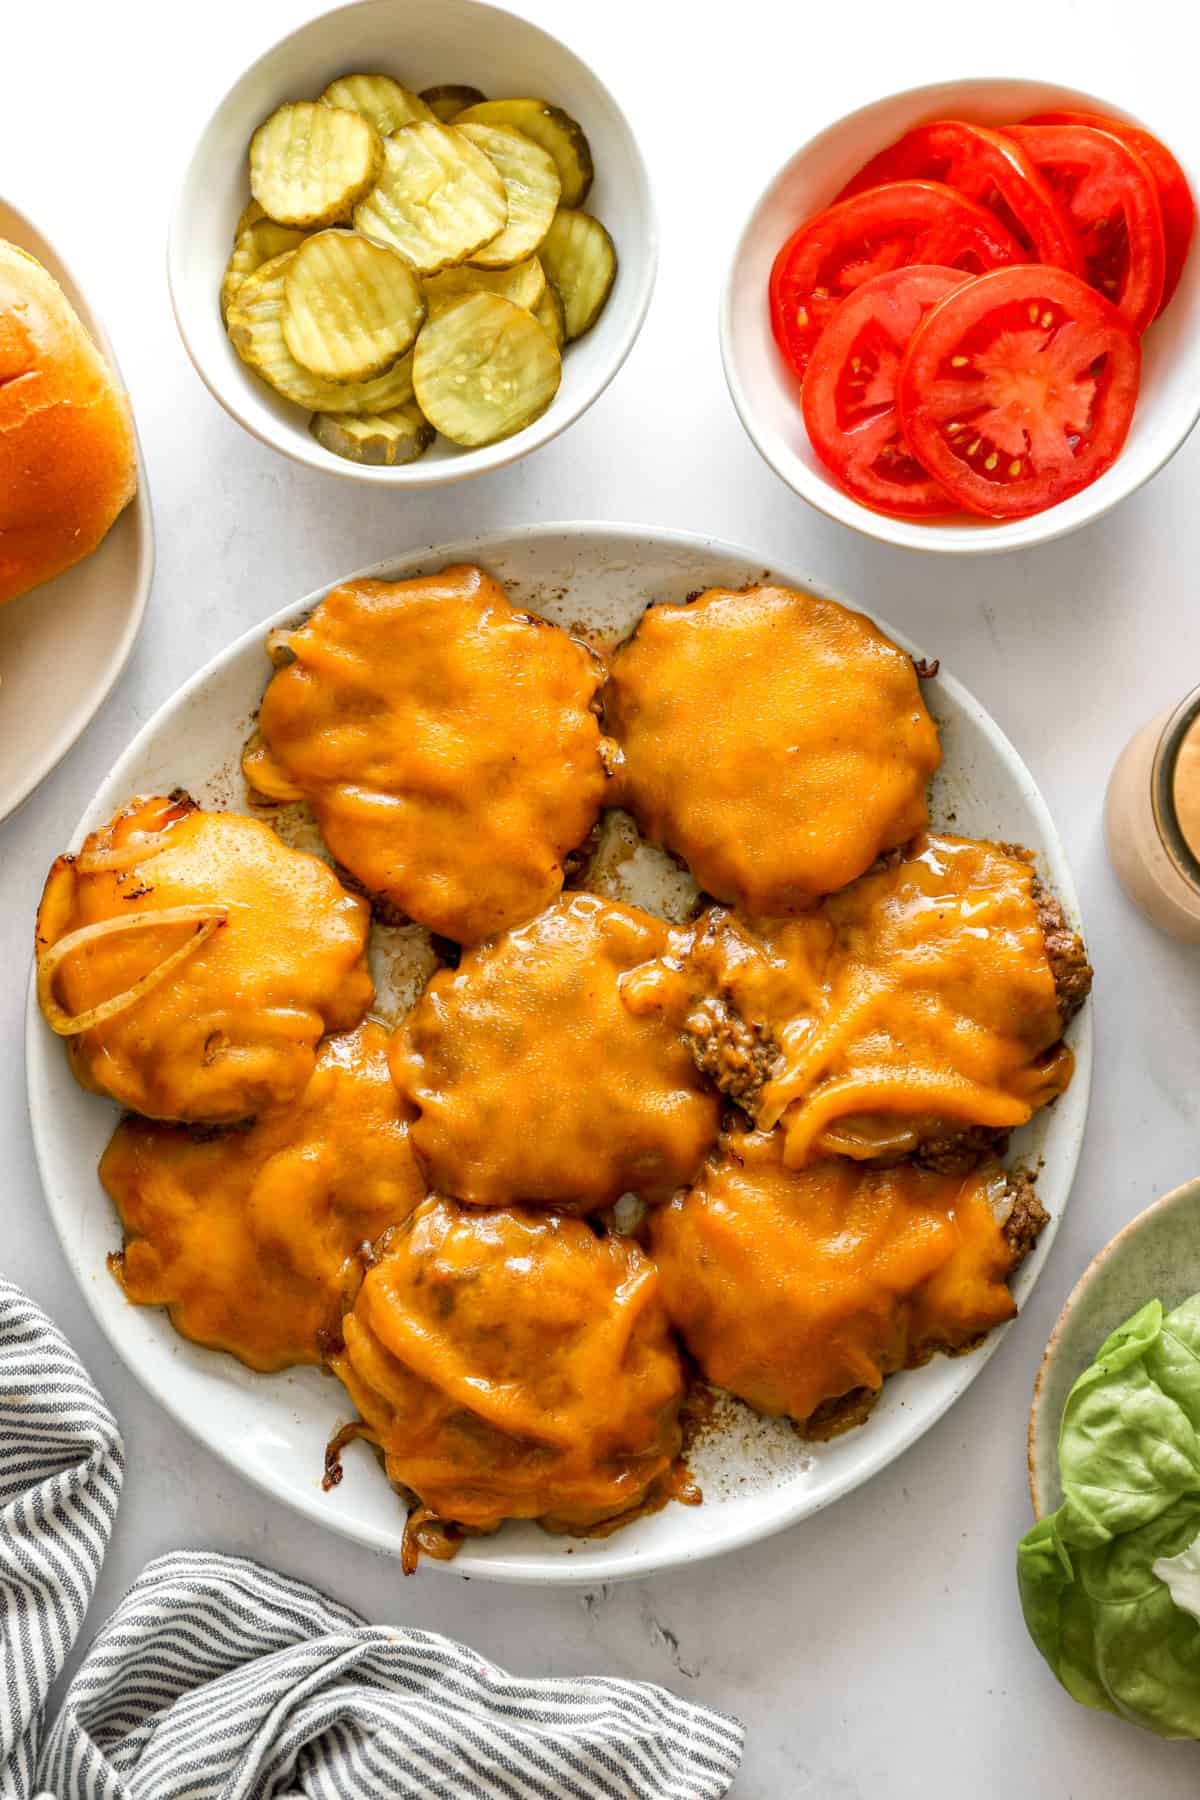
(206,919)
(996,1192)
(279,646)
(138,848)
(426,1534)
(262,773)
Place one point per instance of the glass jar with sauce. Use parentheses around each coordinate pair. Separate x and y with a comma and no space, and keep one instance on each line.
(1152,820)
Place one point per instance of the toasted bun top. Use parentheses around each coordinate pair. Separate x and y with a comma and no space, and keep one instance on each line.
(67,457)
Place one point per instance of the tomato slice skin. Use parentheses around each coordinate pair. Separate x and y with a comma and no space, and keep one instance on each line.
(989,168)
(885,228)
(849,394)
(1174,194)
(1017,390)
(1110,197)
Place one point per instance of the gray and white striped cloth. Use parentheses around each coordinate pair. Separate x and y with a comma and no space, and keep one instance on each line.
(217,1679)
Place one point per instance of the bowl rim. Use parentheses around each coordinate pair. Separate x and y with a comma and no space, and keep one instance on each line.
(302,448)
(985,538)
(614,1564)
(140,510)
(1186,1191)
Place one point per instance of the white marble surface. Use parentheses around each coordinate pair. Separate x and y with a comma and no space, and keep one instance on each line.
(877,1649)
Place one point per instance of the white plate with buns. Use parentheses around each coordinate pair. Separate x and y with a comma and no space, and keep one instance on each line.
(65,640)
(757,1475)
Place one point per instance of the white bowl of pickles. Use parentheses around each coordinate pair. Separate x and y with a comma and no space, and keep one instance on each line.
(415,241)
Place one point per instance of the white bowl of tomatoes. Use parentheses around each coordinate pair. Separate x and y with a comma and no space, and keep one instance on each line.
(967,318)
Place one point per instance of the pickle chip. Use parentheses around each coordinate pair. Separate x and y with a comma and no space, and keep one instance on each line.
(384,103)
(251,213)
(438,200)
(484,369)
(351,307)
(556,131)
(383,440)
(578,257)
(256,332)
(257,243)
(311,164)
(531,187)
(550,316)
(446,101)
(523,284)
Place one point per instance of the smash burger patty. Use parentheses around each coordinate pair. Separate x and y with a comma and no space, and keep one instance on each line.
(1021,1228)
(801,1290)
(776,1004)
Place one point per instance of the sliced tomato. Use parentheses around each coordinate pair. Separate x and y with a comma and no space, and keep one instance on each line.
(849,394)
(1110,197)
(1017,390)
(887,228)
(1174,194)
(986,167)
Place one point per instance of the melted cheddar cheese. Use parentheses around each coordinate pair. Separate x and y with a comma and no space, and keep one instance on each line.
(535,1082)
(513,1365)
(918,1002)
(774,740)
(792,1288)
(447,744)
(254,1239)
(936,1006)
(235,1027)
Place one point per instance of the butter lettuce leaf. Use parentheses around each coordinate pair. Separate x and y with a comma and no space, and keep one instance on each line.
(1126,1447)
(1057,1615)
(1174,1358)
(1096,1605)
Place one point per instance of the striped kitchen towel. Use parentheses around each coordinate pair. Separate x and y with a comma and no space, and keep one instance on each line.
(216,1678)
(60,1480)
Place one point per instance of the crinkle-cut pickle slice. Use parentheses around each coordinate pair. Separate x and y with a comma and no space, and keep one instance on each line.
(381,440)
(257,243)
(578,257)
(484,369)
(449,98)
(550,315)
(256,333)
(438,199)
(384,102)
(311,164)
(549,126)
(250,214)
(531,187)
(524,284)
(350,307)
